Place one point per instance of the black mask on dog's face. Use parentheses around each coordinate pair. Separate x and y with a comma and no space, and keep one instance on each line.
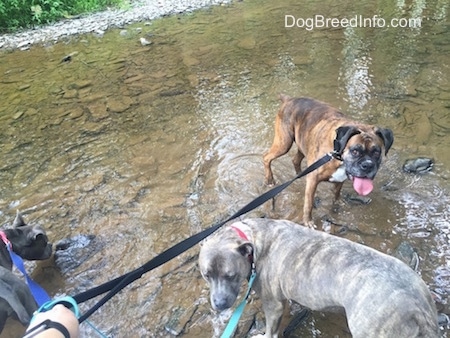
(363,162)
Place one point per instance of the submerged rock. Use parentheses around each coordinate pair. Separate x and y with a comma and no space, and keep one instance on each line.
(178,320)
(72,252)
(406,253)
(418,165)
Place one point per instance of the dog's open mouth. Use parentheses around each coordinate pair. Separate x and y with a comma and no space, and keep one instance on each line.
(362,185)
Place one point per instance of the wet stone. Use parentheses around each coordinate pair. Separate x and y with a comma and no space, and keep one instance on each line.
(92,128)
(247,43)
(418,101)
(302,60)
(98,111)
(70,253)
(179,319)
(31,111)
(118,62)
(92,97)
(91,182)
(407,254)
(357,199)
(193,80)
(69,57)
(70,94)
(445,96)
(75,114)
(80,85)
(172,92)
(190,61)
(145,42)
(418,165)
(56,121)
(119,106)
(158,75)
(134,78)
(56,91)
(18,115)
(443,123)
(24,87)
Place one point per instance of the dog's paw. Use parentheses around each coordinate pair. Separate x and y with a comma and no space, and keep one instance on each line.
(311,225)
(270,183)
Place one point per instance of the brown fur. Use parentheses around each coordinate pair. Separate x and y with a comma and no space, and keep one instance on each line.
(312,125)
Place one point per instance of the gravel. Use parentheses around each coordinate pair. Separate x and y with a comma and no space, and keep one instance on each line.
(98,23)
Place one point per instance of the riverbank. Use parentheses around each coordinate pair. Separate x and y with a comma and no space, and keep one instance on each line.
(98,23)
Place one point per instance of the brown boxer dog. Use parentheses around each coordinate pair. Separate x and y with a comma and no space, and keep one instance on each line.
(314,126)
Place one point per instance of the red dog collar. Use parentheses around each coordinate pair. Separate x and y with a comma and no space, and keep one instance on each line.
(240,233)
(4,238)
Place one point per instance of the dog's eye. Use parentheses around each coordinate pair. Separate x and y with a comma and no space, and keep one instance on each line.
(355,152)
(230,277)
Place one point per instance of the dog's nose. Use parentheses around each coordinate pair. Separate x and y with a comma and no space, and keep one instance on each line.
(220,303)
(367,164)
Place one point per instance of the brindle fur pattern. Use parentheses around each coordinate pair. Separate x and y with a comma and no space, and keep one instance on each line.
(381,296)
(313,126)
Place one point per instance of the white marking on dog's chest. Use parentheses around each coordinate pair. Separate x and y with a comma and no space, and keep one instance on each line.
(339,175)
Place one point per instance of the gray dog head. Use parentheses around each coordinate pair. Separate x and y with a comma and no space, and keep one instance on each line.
(28,241)
(225,264)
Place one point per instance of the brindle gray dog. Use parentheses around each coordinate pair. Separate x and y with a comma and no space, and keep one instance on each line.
(381,296)
(314,126)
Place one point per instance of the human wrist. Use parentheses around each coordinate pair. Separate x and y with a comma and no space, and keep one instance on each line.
(52,322)
(48,328)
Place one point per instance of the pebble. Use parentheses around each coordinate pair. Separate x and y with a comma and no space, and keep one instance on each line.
(98,23)
(18,115)
(145,42)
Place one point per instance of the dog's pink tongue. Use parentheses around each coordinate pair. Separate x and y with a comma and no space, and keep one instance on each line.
(363,186)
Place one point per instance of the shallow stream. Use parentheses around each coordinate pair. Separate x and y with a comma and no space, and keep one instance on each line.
(140,147)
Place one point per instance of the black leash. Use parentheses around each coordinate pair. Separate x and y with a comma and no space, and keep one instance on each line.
(117,284)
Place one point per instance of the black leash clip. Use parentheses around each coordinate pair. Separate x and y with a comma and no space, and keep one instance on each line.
(337,155)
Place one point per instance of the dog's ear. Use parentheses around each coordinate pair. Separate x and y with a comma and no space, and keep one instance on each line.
(387,136)
(283,97)
(246,249)
(18,221)
(343,134)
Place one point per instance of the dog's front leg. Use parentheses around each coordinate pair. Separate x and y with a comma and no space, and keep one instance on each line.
(337,190)
(310,189)
(273,311)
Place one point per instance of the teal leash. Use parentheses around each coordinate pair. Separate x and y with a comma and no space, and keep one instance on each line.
(72,305)
(234,320)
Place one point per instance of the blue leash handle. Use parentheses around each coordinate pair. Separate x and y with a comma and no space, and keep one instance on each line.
(39,294)
(67,301)
(234,320)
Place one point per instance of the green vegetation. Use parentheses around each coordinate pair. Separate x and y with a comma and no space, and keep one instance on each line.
(16,14)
